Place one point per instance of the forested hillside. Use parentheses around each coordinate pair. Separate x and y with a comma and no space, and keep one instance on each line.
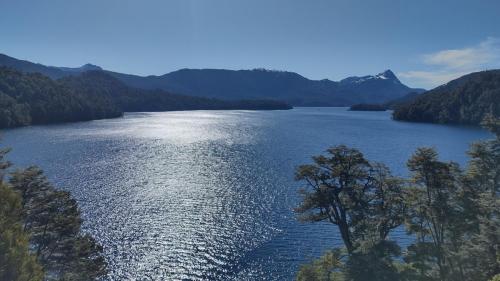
(32,98)
(36,99)
(465,100)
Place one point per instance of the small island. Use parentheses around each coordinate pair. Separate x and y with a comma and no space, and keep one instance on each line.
(367,107)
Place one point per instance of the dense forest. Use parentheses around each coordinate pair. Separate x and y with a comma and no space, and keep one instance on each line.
(35,99)
(452,213)
(465,100)
(40,231)
(27,99)
(367,107)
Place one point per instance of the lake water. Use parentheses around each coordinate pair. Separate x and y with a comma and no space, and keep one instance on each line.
(200,195)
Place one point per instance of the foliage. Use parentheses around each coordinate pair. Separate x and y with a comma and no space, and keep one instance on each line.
(40,231)
(367,107)
(16,262)
(345,189)
(327,268)
(35,99)
(53,219)
(495,278)
(465,100)
(452,214)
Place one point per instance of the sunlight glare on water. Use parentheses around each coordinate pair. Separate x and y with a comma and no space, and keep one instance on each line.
(208,195)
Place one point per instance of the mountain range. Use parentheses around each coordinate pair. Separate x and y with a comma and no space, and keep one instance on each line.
(261,84)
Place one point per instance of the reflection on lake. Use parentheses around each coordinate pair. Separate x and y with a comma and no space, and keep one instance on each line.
(209,194)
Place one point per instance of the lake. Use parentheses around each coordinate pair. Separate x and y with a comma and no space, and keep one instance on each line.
(209,195)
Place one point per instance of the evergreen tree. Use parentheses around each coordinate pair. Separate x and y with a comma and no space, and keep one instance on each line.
(53,219)
(16,262)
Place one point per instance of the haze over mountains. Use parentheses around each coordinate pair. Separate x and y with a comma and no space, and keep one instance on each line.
(248,84)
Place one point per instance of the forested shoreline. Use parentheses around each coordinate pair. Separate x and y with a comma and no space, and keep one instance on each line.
(367,107)
(452,213)
(465,100)
(32,99)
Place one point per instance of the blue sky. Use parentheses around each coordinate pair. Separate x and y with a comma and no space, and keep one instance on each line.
(424,42)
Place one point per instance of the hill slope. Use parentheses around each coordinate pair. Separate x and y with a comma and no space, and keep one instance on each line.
(50,71)
(36,99)
(31,98)
(462,101)
(249,84)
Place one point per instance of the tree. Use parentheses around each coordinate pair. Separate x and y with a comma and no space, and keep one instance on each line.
(336,190)
(434,201)
(466,100)
(16,262)
(363,200)
(327,268)
(374,261)
(453,214)
(53,219)
(481,252)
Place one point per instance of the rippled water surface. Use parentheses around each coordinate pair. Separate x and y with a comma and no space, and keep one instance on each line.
(200,195)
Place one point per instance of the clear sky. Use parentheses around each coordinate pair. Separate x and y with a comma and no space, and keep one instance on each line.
(425,42)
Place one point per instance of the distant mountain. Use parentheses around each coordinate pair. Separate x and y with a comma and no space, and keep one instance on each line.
(32,98)
(249,84)
(131,99)
(377,89)
(50,71)
(83,68)
(465,100)
(288,86)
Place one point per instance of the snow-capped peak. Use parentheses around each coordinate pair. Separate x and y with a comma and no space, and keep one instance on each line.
(386,75)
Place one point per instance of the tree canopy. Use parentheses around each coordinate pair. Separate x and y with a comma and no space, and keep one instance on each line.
(40,231)
(466,100)
(452,214)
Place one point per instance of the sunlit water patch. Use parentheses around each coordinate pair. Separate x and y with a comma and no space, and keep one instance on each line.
(209,195)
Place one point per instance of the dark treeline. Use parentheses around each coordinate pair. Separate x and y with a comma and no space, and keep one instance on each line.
(465,100)
(27,99)
(367,107)
(35,99)
(453,215)
(395,103)
(40,236)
